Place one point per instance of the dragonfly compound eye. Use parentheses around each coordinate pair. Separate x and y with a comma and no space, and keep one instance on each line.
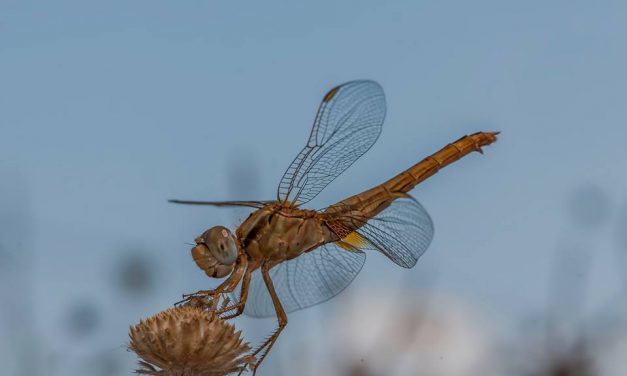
(215,252)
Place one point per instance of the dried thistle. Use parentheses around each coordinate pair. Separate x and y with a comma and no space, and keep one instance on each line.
(188,341)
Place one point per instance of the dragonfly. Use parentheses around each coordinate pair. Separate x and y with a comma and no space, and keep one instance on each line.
(284,257)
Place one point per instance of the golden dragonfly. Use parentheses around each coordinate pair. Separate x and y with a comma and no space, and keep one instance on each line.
(283,257)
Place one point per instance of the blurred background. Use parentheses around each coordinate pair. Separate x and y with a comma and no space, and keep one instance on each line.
(107,109)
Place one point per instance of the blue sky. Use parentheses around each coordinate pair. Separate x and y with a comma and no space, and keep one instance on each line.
(108,109)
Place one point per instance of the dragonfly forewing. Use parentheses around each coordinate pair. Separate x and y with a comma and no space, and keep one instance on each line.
(348,123)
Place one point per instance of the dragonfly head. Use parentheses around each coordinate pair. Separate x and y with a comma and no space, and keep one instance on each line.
(216,252)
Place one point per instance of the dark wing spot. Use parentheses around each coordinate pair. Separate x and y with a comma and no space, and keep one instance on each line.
(331,94)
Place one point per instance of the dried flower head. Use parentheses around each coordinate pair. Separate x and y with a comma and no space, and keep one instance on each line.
(188,341)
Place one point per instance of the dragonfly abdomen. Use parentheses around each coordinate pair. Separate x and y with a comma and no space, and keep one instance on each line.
(408,179)
(369,203)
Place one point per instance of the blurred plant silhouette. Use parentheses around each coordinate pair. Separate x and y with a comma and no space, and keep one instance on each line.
(573,343)
(242,181)
(621,230)
(134,273)
(82,320)
(589,205)
(19,350)
(409,334)
(620,246)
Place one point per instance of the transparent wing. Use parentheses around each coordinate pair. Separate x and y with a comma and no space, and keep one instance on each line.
(348,123)
(309,279)
(402,231)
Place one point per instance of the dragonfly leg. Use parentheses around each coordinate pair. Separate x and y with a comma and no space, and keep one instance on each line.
(241,304)
(264,349)
(227,286)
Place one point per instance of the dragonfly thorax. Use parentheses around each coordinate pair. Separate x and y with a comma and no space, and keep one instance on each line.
(281,232)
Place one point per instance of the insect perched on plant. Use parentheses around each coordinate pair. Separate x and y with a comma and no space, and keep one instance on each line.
(283,258)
